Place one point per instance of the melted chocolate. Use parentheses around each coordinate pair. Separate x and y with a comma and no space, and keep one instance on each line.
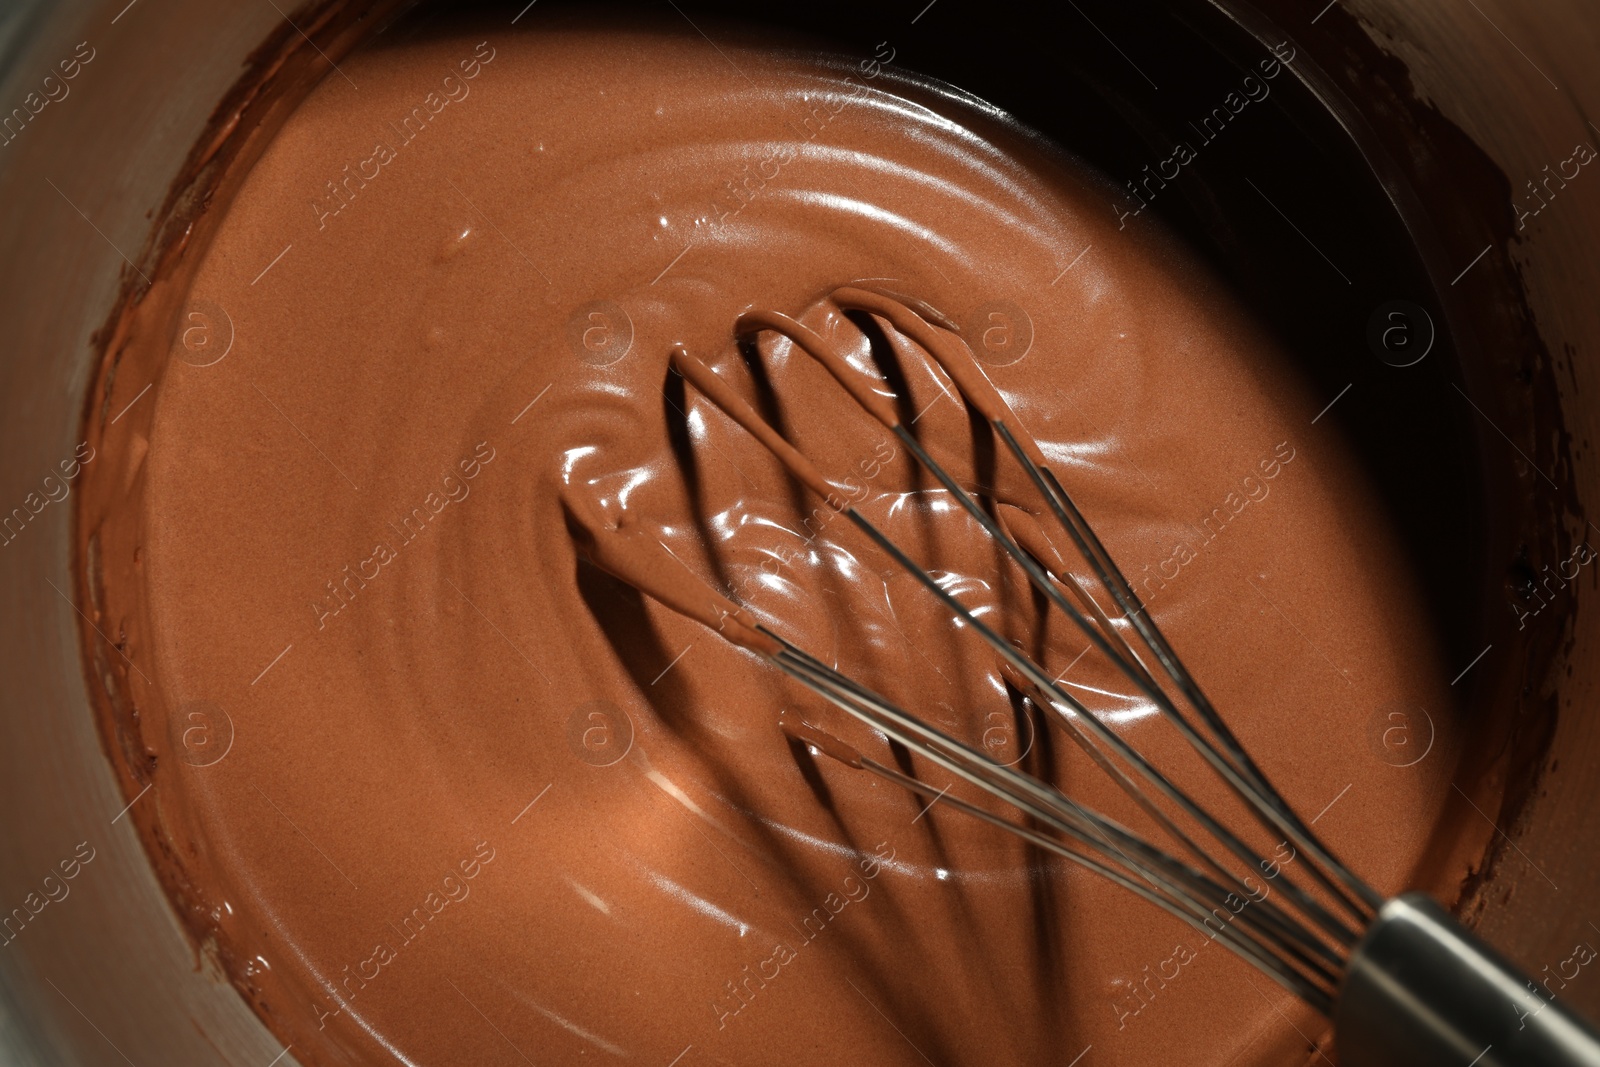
(483,800)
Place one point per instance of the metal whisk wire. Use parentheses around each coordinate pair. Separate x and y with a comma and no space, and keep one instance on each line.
(1302,944)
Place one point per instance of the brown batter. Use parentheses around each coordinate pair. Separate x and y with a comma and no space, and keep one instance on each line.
(482,802)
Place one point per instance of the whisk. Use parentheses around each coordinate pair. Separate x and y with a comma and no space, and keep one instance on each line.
(1403,983)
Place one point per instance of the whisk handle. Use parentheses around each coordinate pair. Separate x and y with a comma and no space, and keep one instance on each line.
(1421,990)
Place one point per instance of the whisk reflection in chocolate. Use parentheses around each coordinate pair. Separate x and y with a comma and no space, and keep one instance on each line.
(1404,983)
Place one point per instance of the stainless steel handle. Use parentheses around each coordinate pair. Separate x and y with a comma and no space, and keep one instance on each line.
(1423,991)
